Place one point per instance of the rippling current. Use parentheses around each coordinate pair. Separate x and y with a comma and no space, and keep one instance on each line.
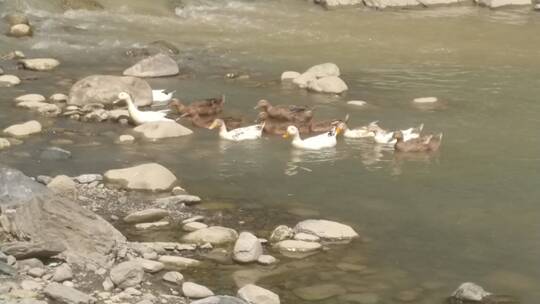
(469,213)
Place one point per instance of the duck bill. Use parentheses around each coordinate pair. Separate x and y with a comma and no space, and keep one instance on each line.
(116,101)
(338,130)
(256,107)
(212,126)
(286,135)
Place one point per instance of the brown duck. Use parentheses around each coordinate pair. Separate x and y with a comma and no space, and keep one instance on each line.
(210,106)
(427,143)
(290,113)
(278,127)
(206,120)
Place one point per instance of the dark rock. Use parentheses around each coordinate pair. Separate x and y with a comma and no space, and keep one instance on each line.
(54,153)
(27,250)
(16,188)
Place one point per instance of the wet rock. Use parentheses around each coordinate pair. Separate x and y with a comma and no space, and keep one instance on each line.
(126,139)
(40,64)
(247,248)
(15,187)
(151,176)
(144,226)
(327,230)
(214,235)
(162,130)
(104,89)
(148,215)
(306,237)
(174,277)
(220,300)
(46,109)
(254,294)
(96,116)
(27,263)
(107,284)
(176,262)
(127,274)
(501,3)
(158,65)
(24,129)
(361,298)
(316,72)
(67,295)
(319,292)
(298,246)
(197,218)
(289,75)
(20,30)
(470,292)
(193,226)
(88,178)
(4,143)
(62,273)
(9,80)
(58,98)
(15,18)
(266,260)
(31,97)
(27,250)
(188,200)
(31,285)
(196,291)
(331,85)
(55,153)
(36,272)
(151,266)
(425,100)
(281,233)
(337,3)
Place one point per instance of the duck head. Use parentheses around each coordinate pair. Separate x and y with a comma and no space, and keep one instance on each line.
(216,124)
(338,126)
(262,104)
(123,96)
(291,131)
(398,136)
(263,116)
(177,104)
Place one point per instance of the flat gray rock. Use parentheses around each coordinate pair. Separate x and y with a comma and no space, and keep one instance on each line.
(214,235)
(104,89)
(17,188)
(326,230)
(145,216)
(158,65)
(27,250)
(67,295)
(54,153)
(220,300)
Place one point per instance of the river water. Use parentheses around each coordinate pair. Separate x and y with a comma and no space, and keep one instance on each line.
(469,213)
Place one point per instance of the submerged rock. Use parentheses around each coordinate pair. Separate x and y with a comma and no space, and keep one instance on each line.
(247,248)
(174,277)
(81,5)
(254,294)
(470,292)
(4,143)
(105,88)
(501,3)
(298,246)
(158,65)
(327,230)
(337,3)
(220,300)
(127,274)
(330,84)
(24,129)
(151,176)
(162,130)
(319,292)
(46,109)
(177,262)
(20,30)
(54,153)
(40,64)
(196,291)
(289,75)
(281,233)
(214,235)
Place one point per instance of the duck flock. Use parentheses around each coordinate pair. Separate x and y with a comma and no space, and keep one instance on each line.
(289,121)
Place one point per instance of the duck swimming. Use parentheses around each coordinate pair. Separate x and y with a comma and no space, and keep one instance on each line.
(429,143)
(206,121)
(387,137)
(360,132)
(162,95)
(209,106)
(140,117)
(239,134)
(278,127)
(318,142)
(285,112)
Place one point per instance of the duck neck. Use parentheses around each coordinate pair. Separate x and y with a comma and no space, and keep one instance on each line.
(296,138)
(223,129)
(132,108)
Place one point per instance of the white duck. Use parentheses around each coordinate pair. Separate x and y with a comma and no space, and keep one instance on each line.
(140,117)
(318,142)
(387,137)
(162,95)
(239,134)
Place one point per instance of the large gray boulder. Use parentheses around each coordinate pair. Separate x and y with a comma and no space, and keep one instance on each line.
(151,176)
(39,216)
(470,292)
(159,65)
(104,89)
(247,248)
(67,295)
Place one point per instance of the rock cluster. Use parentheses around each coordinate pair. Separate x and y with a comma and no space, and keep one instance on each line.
(322,78)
